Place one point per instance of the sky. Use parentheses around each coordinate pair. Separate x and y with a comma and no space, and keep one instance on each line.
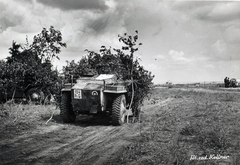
(183,41)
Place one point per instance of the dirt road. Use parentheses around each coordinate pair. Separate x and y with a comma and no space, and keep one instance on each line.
(90,140)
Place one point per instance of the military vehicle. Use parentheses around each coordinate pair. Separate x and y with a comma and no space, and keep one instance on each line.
(93,95)
(234,82)
(29,93)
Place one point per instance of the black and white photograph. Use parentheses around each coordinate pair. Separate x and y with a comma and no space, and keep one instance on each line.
(120,82)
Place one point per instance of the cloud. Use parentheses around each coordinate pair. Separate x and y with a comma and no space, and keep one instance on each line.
(142,15)
(7,19)
(76,4)
(178,57)
(160,57)
(25,1)
(219,46)
(223,12)
(212,11)
(100,24)
(221,51)
(231,34)
(187,36)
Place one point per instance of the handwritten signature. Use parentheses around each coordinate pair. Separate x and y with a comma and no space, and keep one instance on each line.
(207,157)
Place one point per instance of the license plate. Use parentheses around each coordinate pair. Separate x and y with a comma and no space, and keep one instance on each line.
(77,94)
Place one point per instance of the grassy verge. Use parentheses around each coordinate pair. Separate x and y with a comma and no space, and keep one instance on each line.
(15,118)
(194,127)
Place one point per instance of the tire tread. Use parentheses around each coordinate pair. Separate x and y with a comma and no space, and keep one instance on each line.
(66,112)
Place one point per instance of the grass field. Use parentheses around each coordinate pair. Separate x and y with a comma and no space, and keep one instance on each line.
(188,126)
(177,126)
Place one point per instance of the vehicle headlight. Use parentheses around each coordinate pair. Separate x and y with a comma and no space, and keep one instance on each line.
(77,94)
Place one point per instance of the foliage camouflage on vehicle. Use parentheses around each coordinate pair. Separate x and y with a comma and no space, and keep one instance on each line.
(120,62)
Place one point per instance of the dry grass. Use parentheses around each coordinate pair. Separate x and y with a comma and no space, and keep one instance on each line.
(193,122)
(15,118)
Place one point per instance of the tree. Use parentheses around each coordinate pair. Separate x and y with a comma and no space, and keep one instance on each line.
(47,44)
(15,52)
(31,65)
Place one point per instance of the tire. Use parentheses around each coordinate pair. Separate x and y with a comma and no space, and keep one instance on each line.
(119,110)
(66,111)
(35,95)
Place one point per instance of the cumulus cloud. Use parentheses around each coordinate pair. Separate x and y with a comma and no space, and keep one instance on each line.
(7,19)
(76,5)
(178,56)
(186,35)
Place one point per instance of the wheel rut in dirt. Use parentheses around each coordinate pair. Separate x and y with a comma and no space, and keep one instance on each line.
(68,143)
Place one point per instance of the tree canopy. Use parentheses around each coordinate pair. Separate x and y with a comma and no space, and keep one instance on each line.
(31,64)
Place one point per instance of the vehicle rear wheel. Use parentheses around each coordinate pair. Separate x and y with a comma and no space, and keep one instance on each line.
(119,110)
(66,111)
(35,95)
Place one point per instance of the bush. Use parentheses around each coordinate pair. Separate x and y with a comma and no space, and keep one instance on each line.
(31,65)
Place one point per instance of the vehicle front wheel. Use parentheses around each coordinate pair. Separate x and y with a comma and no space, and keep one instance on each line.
(66,111)
(119,110)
